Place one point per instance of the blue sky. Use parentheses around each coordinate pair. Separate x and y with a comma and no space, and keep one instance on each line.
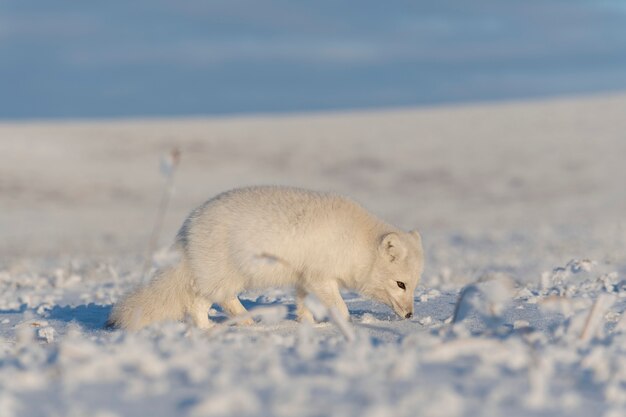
(69,59)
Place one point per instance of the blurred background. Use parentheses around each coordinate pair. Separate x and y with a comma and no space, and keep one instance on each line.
(68,59)
(432,114)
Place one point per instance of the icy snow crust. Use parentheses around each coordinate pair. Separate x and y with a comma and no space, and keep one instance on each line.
(517,350)
(513,317)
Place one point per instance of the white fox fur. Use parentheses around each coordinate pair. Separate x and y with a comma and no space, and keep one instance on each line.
(261,237)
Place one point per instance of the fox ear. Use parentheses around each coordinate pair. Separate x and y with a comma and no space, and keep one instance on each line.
(416,235)
(392,247)
(418,239)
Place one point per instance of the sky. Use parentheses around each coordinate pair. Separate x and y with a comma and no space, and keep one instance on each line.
(152,58)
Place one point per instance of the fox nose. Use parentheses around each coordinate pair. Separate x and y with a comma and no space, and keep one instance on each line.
(408,315)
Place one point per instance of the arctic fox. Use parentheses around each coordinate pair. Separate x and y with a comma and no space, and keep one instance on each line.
(267,236)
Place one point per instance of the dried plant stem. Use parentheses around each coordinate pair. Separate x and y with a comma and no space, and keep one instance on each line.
(594,319)
(169,171)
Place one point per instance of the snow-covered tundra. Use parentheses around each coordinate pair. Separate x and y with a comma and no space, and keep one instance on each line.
(259,237)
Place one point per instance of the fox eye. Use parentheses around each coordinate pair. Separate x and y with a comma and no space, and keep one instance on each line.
(401,285)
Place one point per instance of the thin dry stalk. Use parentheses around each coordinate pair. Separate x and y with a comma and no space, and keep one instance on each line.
(168,168)
(594,319)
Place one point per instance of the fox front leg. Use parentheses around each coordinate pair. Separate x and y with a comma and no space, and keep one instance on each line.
(329,294)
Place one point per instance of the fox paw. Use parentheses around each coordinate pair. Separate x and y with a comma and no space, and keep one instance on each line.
(245,322)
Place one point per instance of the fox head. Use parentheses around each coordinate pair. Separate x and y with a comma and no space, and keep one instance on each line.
(396,271)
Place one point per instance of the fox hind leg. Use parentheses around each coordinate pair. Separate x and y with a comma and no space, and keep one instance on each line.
(234,308)
(199,312)
(303,313)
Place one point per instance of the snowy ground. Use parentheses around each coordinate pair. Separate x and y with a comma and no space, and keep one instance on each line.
(520,206)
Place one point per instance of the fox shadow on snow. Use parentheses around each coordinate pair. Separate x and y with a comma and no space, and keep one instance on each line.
(90,316)
(94,317)
(250,305)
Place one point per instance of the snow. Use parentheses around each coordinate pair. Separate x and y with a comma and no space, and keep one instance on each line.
(520,311)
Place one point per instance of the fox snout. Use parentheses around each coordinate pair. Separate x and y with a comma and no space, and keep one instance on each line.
(407,313)
(403,312)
